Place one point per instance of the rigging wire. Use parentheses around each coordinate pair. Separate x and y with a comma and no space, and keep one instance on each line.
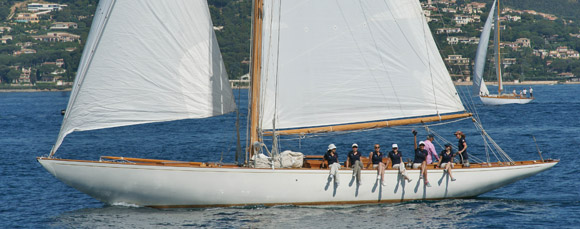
(489,144)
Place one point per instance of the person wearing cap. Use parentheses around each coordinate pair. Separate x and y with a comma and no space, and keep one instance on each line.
(354,161)
(332,158)
(420,159)
(396,159)
(377,160)
(447,160)
(431,152)
(462,147)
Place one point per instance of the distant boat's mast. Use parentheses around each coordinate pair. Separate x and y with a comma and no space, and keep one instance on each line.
(498,58)
(255,73)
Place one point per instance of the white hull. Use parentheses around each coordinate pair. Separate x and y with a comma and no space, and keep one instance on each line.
(172,186)
(502,100)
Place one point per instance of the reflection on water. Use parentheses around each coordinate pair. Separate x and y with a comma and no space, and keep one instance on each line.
(446,213)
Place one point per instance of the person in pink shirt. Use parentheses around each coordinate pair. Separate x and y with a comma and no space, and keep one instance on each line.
(431,153)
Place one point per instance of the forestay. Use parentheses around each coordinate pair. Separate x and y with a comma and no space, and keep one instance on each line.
(479,87)
(335,62)
(148,61)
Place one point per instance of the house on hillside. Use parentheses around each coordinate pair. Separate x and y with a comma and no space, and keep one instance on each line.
(462,40)
(563,52)
(35,7)
(448,30)
(457,60)
(59,63)
(474,8)
(26,17)
(64,25)
(465,19)
(5,29)
(25,75)
(523,42)
(5,39)
(24,51)
(57,37)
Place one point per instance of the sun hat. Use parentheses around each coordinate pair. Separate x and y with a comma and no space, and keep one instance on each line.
(331,146)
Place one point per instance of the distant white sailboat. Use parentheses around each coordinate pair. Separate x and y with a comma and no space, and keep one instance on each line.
(159,61)
(479,87)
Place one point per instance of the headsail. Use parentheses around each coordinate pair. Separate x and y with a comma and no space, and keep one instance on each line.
(335,62)
(479,87)
(148,61)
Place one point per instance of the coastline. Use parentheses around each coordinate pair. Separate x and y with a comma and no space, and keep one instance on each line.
(456,83)
(494,83)
(33,90)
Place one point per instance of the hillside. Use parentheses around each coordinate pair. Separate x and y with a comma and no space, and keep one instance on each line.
(29,56)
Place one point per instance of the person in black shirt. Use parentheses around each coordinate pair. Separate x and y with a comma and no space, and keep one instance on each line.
(332,158)
(462,147)
(354,161)
(396,159)
(447,160)
(420,160)
(377,160)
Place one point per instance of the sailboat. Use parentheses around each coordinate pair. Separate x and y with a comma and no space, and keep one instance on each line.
(479,87)
(310,62)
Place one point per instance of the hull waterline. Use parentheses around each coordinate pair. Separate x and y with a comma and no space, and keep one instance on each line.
(176,186)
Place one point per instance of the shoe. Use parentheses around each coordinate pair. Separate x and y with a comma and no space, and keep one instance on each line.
(409,180)
(428,184)
(453,179)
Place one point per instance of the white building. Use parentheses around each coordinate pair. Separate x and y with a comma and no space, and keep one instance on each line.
(35,7)
(64,25)
(448,30)
(457,60)
(5,39)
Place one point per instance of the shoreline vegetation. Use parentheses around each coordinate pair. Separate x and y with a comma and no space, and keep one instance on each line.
(465,83)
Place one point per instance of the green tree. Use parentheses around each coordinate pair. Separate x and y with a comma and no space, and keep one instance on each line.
(12,75)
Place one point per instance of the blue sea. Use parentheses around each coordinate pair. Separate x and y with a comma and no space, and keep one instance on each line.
(32,198)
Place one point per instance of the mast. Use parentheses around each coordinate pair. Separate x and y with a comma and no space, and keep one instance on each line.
(498,58)
(255,73)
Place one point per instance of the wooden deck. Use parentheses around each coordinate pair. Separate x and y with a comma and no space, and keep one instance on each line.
(310,162)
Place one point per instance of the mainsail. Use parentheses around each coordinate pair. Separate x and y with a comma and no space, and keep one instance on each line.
(479,87)
(359,61)
(148,61)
